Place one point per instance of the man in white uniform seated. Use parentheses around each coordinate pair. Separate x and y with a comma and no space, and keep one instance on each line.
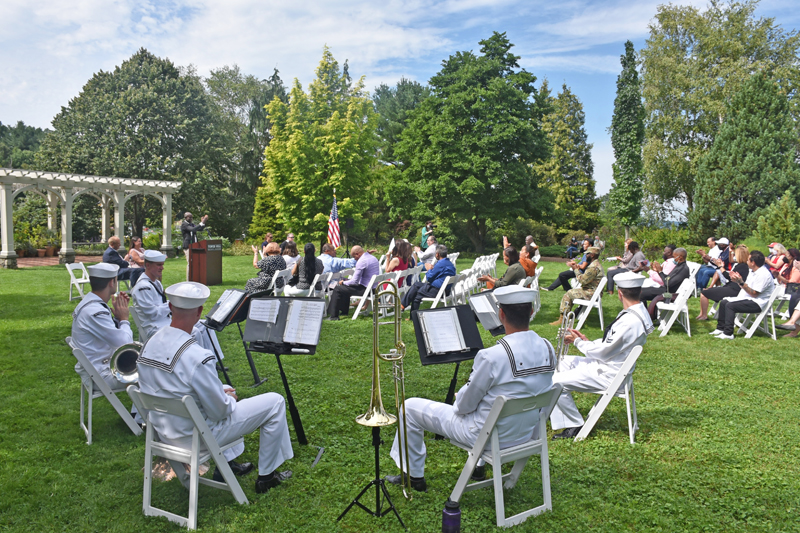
(604,357)
(172,364)
(98,333)
(152,308)
(521,365)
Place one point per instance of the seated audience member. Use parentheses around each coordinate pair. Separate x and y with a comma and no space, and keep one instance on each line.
(572,248)
(526,255)
(589,280)
(401,258)
(777,252)
(564,277)
(603,357)
(331,262)
(172,365)
(304,272)
(519,366)
(289,238)
(752,298)
(433,281)
(290,254)
(265,242)
(654,279)
(724,262)
(513,275)
(98,333)
(786,272)
(728,289)
(708,268)
(366,267)
(428,256)
(111,256)
(672,282)
(633,260)
(136,253)
(272,263)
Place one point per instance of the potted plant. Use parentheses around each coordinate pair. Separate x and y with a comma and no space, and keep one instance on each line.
(50,243)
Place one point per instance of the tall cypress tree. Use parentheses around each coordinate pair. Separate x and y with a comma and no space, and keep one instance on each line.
(750,164)
(627,135)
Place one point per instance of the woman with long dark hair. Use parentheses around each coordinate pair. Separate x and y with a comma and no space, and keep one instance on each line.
(303,273)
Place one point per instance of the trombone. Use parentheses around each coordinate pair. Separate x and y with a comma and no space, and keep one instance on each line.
(376,415)
(123,363)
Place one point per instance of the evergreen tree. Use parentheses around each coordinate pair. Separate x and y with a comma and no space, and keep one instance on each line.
(568,172)
(393,105)
(780,222)
(627,135)
(751,163)
(321,141)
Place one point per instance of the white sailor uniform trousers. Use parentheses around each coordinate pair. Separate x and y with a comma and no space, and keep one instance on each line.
(172,365)
(153,310)
(604,357)
(521,365)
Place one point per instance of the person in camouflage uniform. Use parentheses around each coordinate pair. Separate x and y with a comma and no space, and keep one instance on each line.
(589,281)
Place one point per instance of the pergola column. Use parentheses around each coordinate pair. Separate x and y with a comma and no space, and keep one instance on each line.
(52,205)
(119,214)
(105,210)
(166,240)
(8,257)
(67,253)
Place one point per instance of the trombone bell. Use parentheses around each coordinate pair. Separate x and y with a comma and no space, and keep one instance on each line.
(123,363)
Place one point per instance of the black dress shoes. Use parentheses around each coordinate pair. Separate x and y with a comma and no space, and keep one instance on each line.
(332,318)
(569,433)
(417,483)
(479,474)
(239,469)
(264,483)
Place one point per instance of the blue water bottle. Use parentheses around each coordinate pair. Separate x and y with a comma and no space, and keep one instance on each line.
(451,517)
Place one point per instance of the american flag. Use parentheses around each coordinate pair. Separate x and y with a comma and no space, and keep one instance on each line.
(333,225)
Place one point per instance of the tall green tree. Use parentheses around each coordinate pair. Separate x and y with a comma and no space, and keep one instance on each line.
(18,144)
(468,148)
(695,60)
(146,120)
(780,222)
(393,105)
(321,141)
(751,163)
(569,172)
(627,135)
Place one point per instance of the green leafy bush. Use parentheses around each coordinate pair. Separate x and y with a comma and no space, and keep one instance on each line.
(555,250)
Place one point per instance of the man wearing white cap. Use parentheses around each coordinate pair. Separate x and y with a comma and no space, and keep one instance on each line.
(521,365)
(152,308)
(604,357)
(172,365)
(95,331)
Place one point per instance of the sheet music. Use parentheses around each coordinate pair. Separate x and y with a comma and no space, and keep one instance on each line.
(227,302)
(303,322)
(264,310)
(485,306)
(391,246)
(481,304)
(443,331)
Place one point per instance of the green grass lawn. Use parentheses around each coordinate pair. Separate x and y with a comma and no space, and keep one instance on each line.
(717,450)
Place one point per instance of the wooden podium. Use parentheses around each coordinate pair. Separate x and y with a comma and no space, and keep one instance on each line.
(205,262)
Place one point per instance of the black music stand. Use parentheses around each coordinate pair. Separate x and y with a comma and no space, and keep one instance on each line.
(268,337)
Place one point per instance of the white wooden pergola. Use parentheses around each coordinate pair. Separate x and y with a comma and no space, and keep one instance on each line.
(62,189)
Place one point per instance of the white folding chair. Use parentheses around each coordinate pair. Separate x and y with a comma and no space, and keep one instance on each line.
(441,296)
(678,309)
(453,257)
(535,282)
(95,387)
(285,275)
(621,386)
(751,322)
(596,302)
(366,298)
(313,292)
(132,310)
(693,269)
(204,447)
(77,282)
(487,447)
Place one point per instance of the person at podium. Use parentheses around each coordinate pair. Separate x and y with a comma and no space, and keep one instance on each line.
(189,234)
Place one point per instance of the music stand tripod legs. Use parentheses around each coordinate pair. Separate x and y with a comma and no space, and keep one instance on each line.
(378,483)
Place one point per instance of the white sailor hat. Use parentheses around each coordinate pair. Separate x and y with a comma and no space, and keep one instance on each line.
(154,256)
(187,294)
(514,294)
(628,280)
(723,241)
(103,270)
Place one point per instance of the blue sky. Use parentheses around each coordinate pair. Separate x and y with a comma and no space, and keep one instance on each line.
(50,48)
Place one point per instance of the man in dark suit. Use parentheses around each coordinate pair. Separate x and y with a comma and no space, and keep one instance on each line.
(189,233)
(112,256)
(671,281)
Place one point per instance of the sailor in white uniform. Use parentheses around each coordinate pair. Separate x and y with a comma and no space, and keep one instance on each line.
(519,366)
(152,309)
(172,364)
(98,333)
(604,357)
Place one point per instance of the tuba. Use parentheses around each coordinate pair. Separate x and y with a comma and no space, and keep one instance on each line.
(123,363)
(376,415)
(562,347)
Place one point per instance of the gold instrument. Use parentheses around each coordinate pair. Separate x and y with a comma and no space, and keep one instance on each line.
(377,415)
(562,347)
(123,363)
